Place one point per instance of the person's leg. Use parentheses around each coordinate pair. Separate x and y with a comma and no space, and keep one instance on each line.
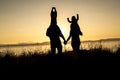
(60,50)
(59,47)
(52,48)
(75,47)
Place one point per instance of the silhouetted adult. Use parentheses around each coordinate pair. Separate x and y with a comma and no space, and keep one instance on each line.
(74,33)
(54,33)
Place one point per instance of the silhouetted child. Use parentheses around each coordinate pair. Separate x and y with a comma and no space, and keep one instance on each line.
(54,33)
(74,33)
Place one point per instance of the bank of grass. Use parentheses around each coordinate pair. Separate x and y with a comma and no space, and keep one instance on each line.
(95,55)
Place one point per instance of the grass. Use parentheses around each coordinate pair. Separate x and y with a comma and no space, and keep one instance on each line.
(94,55)
(84,60)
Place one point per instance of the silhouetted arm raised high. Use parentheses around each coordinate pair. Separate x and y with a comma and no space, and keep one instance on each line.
(77,17)
(69,20)
(53,8)
(53,12)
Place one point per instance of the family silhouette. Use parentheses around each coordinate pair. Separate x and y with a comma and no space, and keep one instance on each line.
(54,33)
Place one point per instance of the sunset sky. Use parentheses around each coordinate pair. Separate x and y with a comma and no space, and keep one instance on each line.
(27,20)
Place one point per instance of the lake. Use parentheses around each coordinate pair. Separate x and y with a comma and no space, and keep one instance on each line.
(43,49)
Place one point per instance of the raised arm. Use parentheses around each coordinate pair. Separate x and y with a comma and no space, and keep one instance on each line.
(53,8)
(77,17)
(69,20)
(54,11)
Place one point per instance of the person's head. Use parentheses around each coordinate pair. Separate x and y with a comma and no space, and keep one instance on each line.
(73,18)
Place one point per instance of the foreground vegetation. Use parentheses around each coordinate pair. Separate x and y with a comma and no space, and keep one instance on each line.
(96,55)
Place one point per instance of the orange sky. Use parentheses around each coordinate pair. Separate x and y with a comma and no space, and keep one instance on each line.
(27,20)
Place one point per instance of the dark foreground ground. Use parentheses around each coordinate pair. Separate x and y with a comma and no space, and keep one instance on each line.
(82,60)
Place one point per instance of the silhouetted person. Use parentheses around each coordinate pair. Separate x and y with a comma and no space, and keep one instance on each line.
(74,33)
(54,33)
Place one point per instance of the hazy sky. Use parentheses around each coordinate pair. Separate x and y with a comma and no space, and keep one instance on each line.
(27,20)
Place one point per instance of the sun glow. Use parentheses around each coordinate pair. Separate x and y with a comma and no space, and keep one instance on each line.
(64,29)
(27,21)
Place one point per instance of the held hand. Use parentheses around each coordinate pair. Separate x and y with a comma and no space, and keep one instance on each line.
(65,42)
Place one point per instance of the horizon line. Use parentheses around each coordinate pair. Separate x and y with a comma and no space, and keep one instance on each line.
(46,42)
